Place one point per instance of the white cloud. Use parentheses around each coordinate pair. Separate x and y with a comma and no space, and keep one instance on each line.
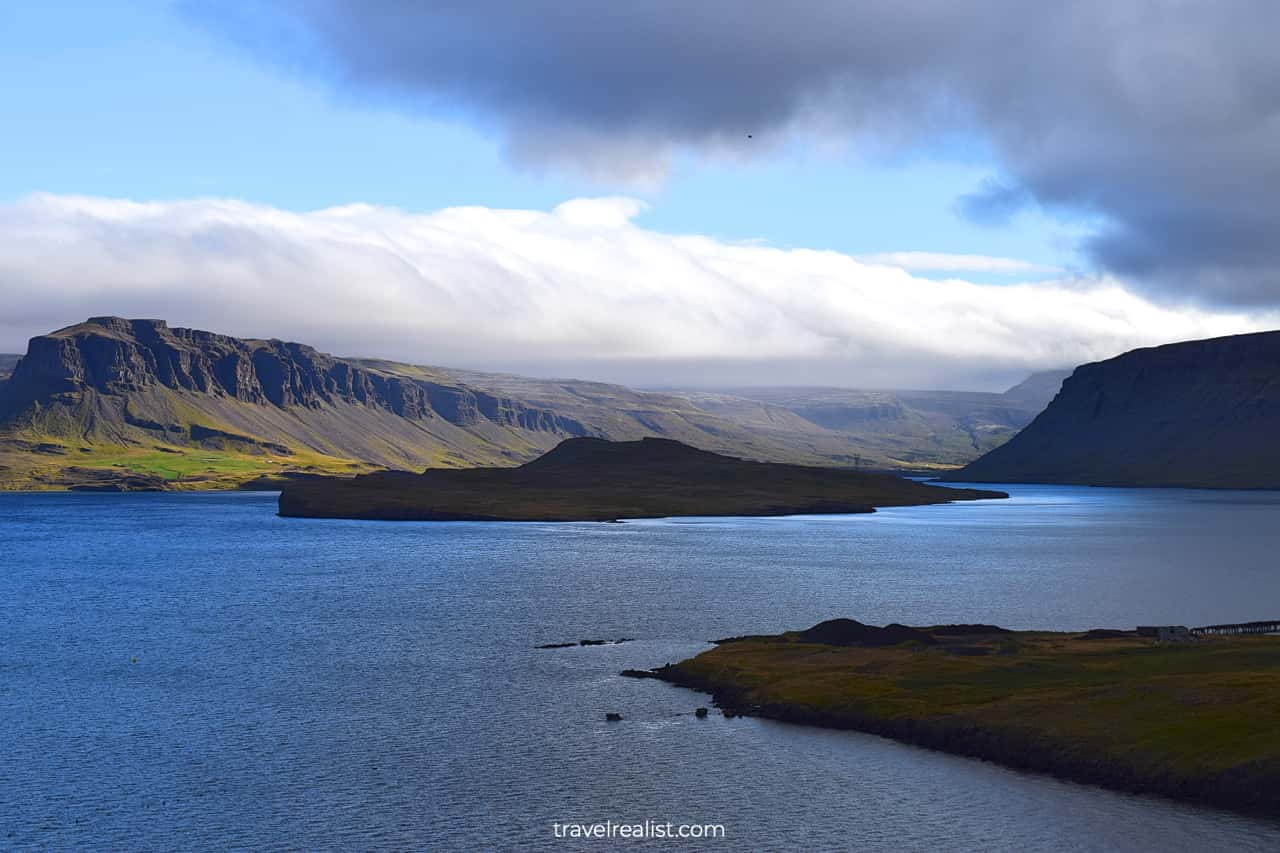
(607,212)
(580,289)
(940,262)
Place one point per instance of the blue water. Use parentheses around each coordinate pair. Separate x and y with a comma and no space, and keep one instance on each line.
(192,672)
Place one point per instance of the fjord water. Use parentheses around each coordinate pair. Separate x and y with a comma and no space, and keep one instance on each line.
(193,672)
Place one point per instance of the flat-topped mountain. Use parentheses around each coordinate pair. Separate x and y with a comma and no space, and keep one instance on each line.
(1201,413)
(181,405)
(588,479)
(111,356)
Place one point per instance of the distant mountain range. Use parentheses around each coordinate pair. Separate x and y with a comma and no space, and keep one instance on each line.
(920,430)
(115,403)
(1200,413)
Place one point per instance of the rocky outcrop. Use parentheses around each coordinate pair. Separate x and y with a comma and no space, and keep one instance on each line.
(78,479)
(1200,414)
(851,632)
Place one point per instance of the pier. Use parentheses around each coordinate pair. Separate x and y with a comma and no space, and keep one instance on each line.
(1266,627)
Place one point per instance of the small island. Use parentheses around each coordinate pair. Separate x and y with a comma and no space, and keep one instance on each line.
(590,479)
(1195,716)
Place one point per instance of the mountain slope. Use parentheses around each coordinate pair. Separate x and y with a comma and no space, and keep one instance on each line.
(1199,413)
(7,362)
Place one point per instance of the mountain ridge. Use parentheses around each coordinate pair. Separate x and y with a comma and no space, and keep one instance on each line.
(914,428)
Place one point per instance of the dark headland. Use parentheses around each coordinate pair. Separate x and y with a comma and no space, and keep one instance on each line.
(589,479)
(1196,719)
(1202,414)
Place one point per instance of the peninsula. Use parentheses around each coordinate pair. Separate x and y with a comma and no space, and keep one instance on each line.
(590,479)
(1196,719)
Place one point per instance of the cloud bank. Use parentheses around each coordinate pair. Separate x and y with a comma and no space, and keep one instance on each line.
(943,262)
(1157,120)
(578,290)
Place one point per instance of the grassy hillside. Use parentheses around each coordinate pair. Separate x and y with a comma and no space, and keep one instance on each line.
(217,442)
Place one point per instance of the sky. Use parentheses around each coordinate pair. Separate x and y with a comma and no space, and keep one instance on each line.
(912,194)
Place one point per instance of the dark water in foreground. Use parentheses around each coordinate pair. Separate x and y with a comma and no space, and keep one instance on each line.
(192,672)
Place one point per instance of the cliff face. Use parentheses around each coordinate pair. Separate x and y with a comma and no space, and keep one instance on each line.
(136,404)
(113,356)
(1200,413)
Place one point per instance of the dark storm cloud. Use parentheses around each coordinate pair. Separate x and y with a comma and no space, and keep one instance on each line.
(1158,120)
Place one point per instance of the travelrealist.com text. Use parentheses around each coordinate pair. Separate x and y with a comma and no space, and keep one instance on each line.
(649,829)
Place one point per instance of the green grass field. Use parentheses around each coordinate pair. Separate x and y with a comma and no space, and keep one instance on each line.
(180,467)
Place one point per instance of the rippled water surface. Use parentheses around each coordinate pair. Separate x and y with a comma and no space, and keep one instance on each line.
(192,672)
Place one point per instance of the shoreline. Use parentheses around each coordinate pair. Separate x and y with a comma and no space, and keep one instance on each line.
(776,678)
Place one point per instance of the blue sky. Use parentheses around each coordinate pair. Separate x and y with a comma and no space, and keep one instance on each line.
(354,189)
(136,100)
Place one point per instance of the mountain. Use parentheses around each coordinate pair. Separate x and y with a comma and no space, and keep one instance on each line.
(7,362)
(115,403)
(196,409)
(1036,391)
(892,429)
(588,479)
(1201,413)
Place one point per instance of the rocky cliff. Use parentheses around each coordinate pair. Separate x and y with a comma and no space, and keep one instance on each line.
(1200,413)
(117,357)
(201,409)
